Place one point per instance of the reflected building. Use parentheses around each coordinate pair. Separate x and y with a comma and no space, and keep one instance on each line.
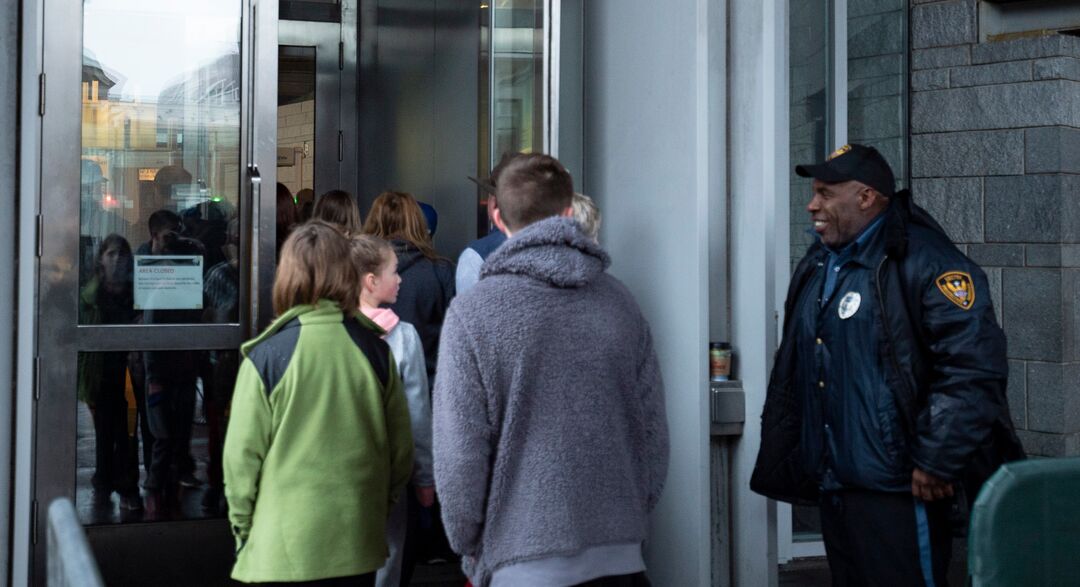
(192,123)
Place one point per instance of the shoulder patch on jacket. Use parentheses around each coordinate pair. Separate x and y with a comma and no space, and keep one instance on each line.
(958,288)
(374,348)
(271,357)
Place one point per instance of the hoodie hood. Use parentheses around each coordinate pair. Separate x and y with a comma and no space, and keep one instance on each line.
(385,318)
(407,254)
(553,250)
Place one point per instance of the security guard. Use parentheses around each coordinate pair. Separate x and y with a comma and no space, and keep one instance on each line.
(886,405)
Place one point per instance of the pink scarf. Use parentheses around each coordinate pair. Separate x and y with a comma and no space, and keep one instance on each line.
(384,317)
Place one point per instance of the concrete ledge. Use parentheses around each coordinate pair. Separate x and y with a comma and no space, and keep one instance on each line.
(728,408)
(1018,49)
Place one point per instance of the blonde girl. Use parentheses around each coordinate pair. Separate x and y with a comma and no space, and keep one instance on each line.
(427,280)
(376,265)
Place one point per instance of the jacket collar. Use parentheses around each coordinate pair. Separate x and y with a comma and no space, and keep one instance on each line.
(322,312)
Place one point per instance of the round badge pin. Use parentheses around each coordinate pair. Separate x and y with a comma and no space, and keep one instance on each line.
(849,305)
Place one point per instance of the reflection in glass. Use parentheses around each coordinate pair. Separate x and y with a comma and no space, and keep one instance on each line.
(877,79)
(160,150)
(150,432)
(517,76)
(809,56)
(810,92)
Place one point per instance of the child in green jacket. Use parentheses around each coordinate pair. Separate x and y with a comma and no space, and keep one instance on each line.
(319,443)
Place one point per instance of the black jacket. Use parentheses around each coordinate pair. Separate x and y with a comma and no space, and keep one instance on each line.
(426,290)
(945,365)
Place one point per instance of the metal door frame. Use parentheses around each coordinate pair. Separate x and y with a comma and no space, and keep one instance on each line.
(335,95)
(59,338)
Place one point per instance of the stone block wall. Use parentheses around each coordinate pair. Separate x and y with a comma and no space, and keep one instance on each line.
(995,156)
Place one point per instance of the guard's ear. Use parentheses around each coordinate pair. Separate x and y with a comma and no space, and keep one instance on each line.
(868,197)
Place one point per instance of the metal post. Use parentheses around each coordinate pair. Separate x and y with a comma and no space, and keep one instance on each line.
(70,561)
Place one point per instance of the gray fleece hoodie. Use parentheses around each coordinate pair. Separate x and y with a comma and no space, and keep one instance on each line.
(550,435)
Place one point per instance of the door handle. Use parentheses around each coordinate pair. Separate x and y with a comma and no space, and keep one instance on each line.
(255,182)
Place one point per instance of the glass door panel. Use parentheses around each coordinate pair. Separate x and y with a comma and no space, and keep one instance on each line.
(296,152)
(314,73)
(517,50)
(156,258)
(150,430)
(160,163)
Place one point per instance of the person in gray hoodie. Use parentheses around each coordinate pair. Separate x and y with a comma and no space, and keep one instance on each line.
(550,435)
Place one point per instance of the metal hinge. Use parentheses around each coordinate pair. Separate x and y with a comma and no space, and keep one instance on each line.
(40,236)
(341,55)
(37,378)
(41,94)
(340,146)
(34,520)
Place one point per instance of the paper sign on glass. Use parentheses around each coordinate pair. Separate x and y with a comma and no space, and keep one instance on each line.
(168,282)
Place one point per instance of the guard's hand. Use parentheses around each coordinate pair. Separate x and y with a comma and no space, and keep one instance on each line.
(426,496)
(929,488)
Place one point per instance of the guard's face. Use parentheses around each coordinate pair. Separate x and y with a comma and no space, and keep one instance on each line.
(836,211)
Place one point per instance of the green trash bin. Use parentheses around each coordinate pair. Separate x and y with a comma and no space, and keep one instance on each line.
(1025,525)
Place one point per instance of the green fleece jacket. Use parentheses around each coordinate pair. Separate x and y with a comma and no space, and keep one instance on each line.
(318,446)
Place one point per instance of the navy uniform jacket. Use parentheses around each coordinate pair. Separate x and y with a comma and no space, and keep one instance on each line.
(914,377)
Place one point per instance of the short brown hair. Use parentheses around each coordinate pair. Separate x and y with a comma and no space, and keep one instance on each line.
(368,252)
(532,187)
(314,265)
(338,207)
(397,215)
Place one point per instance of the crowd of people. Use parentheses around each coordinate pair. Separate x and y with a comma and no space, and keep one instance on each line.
(351,361)
(513,403)
(422,387)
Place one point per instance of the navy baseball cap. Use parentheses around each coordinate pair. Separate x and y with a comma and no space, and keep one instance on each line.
(854,162)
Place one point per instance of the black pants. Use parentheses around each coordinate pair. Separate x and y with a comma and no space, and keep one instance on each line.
(112,470)
(170,415)
(875,538)
(634,580)
(366,580)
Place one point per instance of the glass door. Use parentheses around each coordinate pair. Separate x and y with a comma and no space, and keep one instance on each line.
(316,105)
(156,257)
